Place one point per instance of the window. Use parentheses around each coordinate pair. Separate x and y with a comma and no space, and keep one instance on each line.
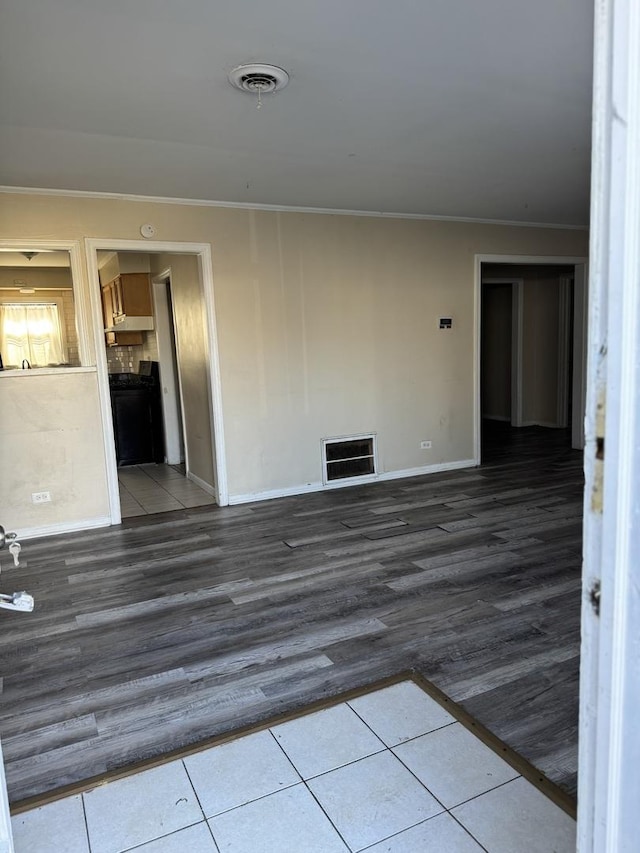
(31,331)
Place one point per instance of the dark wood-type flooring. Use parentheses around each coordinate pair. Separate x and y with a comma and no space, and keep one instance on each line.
(172,628)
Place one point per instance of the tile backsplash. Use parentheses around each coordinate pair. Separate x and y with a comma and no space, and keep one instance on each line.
(122,359)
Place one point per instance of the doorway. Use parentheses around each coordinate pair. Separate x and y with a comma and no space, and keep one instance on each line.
(164,485)
(531,355)
(181,286)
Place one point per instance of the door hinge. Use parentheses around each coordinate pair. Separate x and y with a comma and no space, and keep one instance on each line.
(594,597)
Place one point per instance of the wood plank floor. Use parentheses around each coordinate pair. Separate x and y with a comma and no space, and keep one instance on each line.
(172,628)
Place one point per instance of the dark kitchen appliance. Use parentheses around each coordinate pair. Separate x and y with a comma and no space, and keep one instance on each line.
(137,415)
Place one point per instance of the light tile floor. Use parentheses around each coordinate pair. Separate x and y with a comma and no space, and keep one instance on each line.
(147,489)
(387,772)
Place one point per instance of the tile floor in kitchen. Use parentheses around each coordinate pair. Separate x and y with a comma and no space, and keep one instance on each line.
(147,489)
(390,771)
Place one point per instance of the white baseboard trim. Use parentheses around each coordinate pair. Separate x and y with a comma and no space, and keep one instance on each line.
(429,469)
(206,487)
(291,491)
(270,494)
(63,527)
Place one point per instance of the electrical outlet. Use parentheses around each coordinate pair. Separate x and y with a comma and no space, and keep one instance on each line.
(40,497)
(425,445)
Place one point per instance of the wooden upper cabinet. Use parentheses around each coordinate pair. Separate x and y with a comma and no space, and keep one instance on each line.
(128,294)
(131,295)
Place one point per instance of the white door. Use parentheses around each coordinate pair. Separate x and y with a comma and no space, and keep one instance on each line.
(608,776)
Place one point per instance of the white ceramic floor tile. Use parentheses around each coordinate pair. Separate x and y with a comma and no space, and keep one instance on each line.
(454,764)
(517,818)
(202,500)
(160,505)
(440,834)
(325,740)
(55,827)
(193,839)
(255,803)
(401,712)
(148,489)
(373,799)
(140,808)
(234,773)
(163,473)
(132,512)
(289,821)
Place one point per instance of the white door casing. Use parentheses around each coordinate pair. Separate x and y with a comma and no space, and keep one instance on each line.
(203,252)
(608,779)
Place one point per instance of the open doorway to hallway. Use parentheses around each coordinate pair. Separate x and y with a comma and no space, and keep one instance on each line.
(527,344)
(156,348)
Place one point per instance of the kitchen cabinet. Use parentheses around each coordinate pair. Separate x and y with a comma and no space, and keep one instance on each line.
(127,296)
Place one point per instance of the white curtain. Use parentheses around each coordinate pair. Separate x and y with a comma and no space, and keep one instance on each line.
(32,332)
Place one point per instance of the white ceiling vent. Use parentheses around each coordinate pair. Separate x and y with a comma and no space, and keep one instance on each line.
(258,79)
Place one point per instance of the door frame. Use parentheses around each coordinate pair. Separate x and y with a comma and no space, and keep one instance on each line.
(609,739)
(579,337)
(205,266)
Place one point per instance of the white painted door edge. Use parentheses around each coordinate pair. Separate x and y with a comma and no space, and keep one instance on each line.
(608,781)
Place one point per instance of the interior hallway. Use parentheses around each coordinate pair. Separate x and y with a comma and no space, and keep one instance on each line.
(173,628)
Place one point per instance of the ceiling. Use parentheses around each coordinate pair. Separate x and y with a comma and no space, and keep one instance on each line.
(438,107)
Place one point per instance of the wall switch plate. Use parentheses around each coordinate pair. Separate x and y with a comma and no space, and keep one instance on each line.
(425,445)
(40,497)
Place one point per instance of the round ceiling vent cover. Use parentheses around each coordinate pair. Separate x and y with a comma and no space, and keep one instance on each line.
(258,78)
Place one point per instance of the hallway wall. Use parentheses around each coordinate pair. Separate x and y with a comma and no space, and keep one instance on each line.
(192,359)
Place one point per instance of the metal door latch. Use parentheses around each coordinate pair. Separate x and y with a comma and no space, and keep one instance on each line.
(594,597)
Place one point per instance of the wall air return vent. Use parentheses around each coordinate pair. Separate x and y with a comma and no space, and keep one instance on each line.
(349,458)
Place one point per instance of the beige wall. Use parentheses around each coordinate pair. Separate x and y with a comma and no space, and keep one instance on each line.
(540,351)
(192,359)
(50,441)
(327,324)
(114,264)
(56,277)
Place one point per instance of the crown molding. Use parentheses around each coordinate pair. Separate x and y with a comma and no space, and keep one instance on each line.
(283,208)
